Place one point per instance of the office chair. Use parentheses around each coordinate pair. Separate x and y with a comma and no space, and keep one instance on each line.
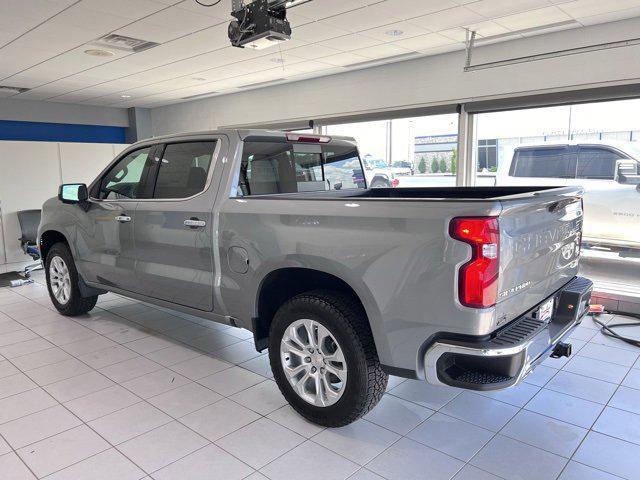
(29,221)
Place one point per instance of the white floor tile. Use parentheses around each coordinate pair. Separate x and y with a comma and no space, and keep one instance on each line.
(14,384)
(578,471)
(129,422)
(479,410)
(130,369)
(511,459)
(102,403)
(184,400)
(202,464)
(409,460)
(62,450)
(21,404)
(307,460)
(609,454)
(452,436)
(155,383)
(162,446)
(107,465)
(627,399)
(589,367)
(565,407)
(582,387)
(620,424)
(422,393)
(13,469)
(545,432)
(263,398)
(288,417)
(37,426)
(219,419)
(79,386)
(398,415)
(360,441)
(231,380)
(260,442)
(200,367)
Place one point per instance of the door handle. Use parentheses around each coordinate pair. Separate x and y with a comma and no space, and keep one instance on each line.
(123,218)
(194,223)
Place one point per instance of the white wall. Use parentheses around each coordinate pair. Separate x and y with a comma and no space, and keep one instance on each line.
(55,112)
(426,81)
(31,172)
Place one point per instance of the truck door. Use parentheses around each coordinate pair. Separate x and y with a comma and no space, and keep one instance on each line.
(174,229)
(105,238)
(606,201)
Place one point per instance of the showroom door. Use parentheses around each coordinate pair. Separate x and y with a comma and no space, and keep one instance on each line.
(174,229)
(106,250)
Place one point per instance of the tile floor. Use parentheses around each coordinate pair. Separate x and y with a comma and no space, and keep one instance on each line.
(132,391)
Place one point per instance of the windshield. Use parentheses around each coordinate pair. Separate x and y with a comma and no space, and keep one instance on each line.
(377,163)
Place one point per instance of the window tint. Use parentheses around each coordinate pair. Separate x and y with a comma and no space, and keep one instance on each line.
(127,178)
(598,163)
(543,162)
(184,169)
(280,168)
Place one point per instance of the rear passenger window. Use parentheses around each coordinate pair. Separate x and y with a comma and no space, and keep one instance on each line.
(597,163)
(543,162)
(184,169)
(279,167)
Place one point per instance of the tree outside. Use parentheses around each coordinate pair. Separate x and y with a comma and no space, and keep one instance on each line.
(443,165)
(454,161)
(422,166)
(435,166)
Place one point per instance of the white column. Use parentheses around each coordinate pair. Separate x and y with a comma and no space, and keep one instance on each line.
(467,152)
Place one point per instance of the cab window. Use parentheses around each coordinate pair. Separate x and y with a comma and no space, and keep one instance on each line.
(128,177)
(184,169)
(597,163)
(547,162)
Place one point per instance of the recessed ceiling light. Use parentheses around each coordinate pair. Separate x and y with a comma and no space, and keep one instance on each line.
(277,60)
(125,96)
(394,33)
(198,79)
(96,52)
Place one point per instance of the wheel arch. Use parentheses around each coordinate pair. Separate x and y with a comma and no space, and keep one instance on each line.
(48,238)
(282,284)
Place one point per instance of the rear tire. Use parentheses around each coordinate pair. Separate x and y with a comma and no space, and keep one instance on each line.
(63,282)
(340,320)
(380,184)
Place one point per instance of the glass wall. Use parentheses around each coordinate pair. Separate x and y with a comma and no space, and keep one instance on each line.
(595,146)
(406,152)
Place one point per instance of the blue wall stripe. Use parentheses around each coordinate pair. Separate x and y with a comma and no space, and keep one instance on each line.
(60,132)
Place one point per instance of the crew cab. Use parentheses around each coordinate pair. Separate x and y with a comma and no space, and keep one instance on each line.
(277,233)
(609,173)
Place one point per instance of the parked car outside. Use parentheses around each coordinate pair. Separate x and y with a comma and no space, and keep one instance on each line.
(609,172)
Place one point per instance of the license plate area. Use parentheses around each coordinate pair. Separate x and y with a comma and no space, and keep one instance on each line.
(545,312)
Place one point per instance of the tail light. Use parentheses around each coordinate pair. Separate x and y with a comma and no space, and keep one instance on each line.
(395,182)
(478,278)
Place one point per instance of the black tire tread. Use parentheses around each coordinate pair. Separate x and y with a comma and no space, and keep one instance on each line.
(356,327)
(77,305)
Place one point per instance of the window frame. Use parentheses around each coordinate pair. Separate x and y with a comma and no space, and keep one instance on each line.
(159,153)
(95,187)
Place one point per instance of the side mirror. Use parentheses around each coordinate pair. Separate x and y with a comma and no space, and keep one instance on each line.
(73,193)
(627,172)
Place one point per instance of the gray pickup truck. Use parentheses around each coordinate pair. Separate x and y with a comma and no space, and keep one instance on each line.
(277,233)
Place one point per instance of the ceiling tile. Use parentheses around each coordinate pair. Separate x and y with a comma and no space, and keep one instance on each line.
(125,8)
(500,8)
(317,32)
(533,18)
(452,17)
(350,42)
(587,8)
(394,31)
(316,50)
(610,17)
(424,42)
(221,11)
(406,9)
(382,51)
(343,59)
(319,9)
(363,18)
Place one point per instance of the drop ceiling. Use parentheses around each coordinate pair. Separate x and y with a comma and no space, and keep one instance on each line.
(43,43)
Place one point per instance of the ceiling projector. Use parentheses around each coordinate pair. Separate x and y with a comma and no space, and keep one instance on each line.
(261,23)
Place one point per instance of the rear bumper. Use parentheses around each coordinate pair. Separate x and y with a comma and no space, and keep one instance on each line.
(513,351)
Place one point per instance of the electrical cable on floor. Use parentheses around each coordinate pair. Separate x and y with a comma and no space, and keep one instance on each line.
(608,329)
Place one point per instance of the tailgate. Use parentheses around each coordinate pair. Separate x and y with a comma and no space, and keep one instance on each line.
(539,248)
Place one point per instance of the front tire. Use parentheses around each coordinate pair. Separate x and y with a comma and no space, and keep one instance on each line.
(63,283)
(324,359)
(380,184)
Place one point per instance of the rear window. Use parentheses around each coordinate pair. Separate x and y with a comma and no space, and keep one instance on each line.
(543,162)
(278,167)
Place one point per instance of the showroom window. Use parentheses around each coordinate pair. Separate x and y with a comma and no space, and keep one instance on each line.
(184,169)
